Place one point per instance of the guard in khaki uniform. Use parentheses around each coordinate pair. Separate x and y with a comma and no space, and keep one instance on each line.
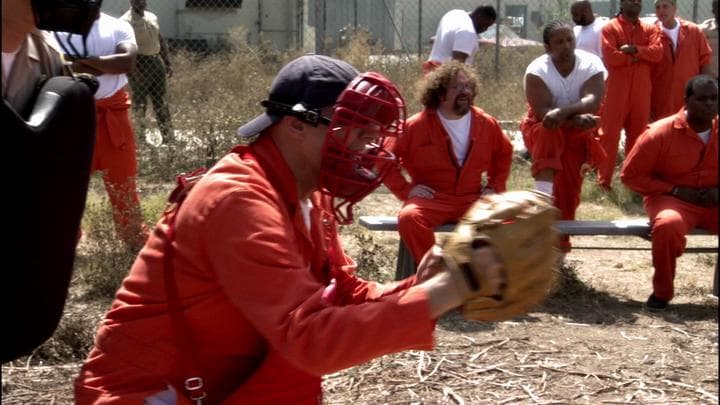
(37,56)
(151,68)
(453,151)
(675,167)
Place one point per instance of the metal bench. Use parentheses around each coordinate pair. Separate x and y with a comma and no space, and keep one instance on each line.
(635,227)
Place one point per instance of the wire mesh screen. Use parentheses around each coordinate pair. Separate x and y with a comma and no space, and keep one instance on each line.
(223,53)
(321,26)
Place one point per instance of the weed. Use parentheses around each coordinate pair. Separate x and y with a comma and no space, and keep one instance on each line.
(374,260)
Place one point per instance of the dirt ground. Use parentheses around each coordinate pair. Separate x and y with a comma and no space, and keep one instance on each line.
(592,342)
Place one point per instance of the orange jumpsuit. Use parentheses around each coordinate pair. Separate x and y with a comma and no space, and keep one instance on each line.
(425,151)
(251,279)
(628,87)
(564,150)
(677,67)
(671,154)
(114,155)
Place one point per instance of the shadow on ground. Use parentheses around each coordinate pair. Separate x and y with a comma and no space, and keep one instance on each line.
(577,302)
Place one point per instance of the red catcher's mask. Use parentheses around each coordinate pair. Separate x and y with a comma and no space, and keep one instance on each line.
(368,115)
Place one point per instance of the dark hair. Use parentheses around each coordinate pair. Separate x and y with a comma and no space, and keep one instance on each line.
(486,11)
(581,3)
(551,27)
(699,80)
(432,88)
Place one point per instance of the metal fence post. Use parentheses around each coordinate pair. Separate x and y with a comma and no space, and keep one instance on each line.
(320,26)
(498,23)
(419,39)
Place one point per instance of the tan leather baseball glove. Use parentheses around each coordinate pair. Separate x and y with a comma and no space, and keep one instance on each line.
(519,228)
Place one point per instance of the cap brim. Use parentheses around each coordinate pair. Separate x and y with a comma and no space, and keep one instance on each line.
(257,125)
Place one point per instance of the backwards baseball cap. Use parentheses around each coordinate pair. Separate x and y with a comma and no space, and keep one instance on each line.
(301,89)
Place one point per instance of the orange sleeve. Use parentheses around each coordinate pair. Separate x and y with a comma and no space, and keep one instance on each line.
(704,51)
(653,51)
(262,272)
(394,180)
(499,170)
(610,50)
(639,165)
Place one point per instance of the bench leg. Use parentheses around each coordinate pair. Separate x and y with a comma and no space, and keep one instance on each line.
(405,263)
(715,279)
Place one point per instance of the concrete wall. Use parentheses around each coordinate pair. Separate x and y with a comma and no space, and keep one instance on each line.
(276,19)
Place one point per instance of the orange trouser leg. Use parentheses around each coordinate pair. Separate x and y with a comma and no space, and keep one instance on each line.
(119,166)
(419,217)
(672,219)
(636,121)
(568,181)
(546,147)
(611,123)
(564,151)
(627,106)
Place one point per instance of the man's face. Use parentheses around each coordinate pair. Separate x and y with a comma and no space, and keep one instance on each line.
(562,44)
(631,8)
(481,23)
(459,95)
(665,12)
(703,104)
(580,15)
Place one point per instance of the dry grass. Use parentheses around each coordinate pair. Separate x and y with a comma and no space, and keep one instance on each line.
(591,342)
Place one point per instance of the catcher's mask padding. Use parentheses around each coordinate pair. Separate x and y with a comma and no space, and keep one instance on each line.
(50,183)
(370,106)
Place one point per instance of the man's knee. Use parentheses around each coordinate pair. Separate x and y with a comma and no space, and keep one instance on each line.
(668,225)
(409,215)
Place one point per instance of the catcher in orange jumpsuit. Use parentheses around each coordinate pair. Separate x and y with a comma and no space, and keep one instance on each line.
(243,293)
(453,151)
(112,51)
(564,89)
(686,53)
(675,167)
(630,47)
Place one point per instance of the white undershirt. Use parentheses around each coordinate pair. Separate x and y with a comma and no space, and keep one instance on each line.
(455,32)
(459,131)
(704,136)
(305,207)
(8,58)
(566,90)
(587,37)
(673,33)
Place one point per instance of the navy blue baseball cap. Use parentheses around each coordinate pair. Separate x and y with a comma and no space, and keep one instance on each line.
(307,83)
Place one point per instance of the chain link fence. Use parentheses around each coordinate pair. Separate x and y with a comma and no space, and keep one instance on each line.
(321,26)
(224,52)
